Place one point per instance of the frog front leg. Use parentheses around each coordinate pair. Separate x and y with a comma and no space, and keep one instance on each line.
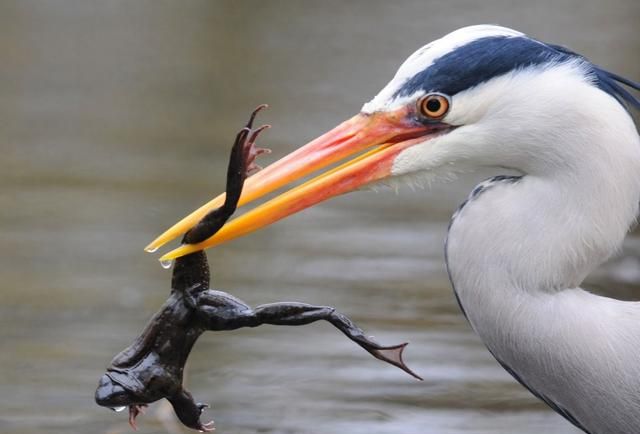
(189,411)
(221,311)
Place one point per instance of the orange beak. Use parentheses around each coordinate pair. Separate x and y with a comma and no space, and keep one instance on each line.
(387,132)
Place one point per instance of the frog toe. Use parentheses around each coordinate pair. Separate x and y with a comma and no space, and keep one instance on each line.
(207,427)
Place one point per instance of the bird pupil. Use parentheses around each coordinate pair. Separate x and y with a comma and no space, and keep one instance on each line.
(433,105)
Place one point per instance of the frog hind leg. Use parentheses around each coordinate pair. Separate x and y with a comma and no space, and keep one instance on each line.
(193,270)
(241,164)
(301,313)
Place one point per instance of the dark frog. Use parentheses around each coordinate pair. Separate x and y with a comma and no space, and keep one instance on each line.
(152,367)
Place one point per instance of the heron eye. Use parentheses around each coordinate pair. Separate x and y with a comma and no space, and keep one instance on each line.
(433,106)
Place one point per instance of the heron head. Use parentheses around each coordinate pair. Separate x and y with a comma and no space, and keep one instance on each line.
(480,96)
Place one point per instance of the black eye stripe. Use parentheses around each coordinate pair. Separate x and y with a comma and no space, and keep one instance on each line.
(479,61)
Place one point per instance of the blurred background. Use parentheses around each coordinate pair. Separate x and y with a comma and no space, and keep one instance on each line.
(116,118)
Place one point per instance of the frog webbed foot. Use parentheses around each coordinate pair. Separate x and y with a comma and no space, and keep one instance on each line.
(391,354)
(189,411)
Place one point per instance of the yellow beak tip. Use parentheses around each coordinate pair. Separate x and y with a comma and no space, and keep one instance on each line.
(170,256)
(184,249)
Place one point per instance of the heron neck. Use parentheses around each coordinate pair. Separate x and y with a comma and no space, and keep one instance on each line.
(546,233)
(517,238)
(517,252)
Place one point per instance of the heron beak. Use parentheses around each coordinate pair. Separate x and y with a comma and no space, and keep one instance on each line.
(387,133)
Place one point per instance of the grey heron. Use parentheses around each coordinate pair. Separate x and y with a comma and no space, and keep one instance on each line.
(519,248)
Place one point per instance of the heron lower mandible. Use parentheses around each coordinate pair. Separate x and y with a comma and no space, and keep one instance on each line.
(520,246)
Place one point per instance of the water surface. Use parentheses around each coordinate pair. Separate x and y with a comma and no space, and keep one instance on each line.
(116,119)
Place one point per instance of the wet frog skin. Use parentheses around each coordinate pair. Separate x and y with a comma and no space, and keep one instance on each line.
(152,367)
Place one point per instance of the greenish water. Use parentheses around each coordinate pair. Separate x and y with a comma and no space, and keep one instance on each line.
(116,118)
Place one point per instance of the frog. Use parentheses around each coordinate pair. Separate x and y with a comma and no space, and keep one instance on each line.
(152,367)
